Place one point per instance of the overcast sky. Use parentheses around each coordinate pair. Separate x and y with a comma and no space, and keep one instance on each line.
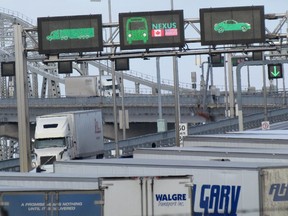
(44,8)
(39,8)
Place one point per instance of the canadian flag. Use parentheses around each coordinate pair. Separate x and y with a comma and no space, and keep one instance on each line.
(157,32)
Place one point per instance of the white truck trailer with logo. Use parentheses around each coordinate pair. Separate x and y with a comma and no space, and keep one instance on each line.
(90,86)
(74,195)
(67,136)
(220,188)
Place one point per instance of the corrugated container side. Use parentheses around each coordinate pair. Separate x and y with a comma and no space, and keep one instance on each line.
(274,183)
(88,132)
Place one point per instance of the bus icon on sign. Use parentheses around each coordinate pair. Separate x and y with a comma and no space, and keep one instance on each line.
(137,30)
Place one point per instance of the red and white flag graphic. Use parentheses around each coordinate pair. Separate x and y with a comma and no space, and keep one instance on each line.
(157,32)
(171,32)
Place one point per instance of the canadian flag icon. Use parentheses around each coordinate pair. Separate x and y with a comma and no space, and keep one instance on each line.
(157,32)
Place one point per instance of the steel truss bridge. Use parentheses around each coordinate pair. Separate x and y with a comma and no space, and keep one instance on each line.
(44,82)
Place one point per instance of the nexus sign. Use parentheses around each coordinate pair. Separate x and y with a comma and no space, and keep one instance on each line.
(232,25)
(70,34)
(157,29)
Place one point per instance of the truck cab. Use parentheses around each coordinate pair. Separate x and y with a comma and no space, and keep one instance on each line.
(67,136)
(107,86)
(52,139)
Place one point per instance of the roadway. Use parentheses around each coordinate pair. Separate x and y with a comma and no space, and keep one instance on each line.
(143,109)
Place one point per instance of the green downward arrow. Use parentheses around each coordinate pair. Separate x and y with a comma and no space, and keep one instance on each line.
(275,73)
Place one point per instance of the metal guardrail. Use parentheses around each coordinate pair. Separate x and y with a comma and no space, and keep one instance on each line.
(168,138)
(10,164)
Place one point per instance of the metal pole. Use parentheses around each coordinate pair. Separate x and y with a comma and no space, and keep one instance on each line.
(123,108)
(248,76)
(231,85)
(239,98)
(284,90)
(226,87)
(159,88)
(113,88)
(177,108)
(22,100)
(206,87)
(172,4)
(265,93)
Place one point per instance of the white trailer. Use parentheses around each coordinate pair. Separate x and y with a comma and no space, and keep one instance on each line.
(73,195)
(265,139)
(235,154)
(220,188)
(157,196)
(90,86)
(67,136)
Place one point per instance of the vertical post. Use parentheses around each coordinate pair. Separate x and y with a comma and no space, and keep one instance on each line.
(226,87)
(113,83)
(284,90)
(176,93)
(172,4)
(248,76)
(231,85)
(206,86)
(115,109)
(22,100)
(123,107)
(265,93)
(239,98)
(159,88)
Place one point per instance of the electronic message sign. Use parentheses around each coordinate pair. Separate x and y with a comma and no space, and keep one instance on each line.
(70,34)
(157,29)
(232,25)
(275,71)
(8,68)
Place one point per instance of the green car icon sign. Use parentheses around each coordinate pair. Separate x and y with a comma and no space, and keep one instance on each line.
(231,25)
(137,30)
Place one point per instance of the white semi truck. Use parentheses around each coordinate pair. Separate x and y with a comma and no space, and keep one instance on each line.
(90,86)
(67,136)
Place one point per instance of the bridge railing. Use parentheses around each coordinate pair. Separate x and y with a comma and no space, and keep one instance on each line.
(165,139)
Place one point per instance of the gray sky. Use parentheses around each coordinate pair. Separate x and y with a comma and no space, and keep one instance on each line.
(41,8)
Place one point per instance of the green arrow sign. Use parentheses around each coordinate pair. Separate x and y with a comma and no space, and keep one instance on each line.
(275,72)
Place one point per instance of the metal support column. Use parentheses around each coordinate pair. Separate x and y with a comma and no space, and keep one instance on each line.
(22,100)
(176,94)
(231,86)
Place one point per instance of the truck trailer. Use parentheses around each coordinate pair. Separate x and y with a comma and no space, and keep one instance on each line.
(90,86)
(67,136)
(219,187)
(206,153)
(246,139)
(121,196)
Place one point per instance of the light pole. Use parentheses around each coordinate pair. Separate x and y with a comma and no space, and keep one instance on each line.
(22,100)
(113,80)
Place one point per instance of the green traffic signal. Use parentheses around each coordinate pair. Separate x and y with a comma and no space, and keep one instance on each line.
(275,71)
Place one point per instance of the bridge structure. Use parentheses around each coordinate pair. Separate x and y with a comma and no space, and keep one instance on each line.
(45,92)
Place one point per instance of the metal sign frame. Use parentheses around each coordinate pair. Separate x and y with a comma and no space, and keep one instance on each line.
(70,34)
(137,32)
